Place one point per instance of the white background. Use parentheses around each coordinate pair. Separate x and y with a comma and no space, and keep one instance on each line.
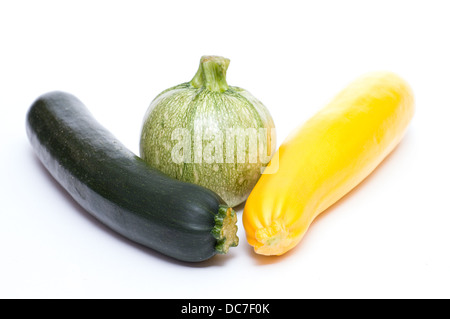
(389,238)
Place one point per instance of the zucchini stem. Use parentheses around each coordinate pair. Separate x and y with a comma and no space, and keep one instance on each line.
(211,74)
(225,229)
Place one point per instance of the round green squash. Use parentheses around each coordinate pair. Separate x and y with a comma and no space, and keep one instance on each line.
(208,133)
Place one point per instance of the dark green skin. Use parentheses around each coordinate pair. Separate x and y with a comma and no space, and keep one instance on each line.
(116,186)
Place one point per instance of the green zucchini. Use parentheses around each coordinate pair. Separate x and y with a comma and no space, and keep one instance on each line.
(181,220)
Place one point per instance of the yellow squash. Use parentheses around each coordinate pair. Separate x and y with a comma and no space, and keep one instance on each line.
(325,158)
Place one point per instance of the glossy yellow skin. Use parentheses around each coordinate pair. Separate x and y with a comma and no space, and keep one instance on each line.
(325,158)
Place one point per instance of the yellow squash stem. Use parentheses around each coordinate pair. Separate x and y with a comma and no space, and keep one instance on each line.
(325,158)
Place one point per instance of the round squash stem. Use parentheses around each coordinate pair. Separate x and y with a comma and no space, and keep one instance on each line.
(211,73)
(225,229)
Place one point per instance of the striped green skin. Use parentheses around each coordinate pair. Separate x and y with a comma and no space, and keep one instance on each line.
(180,220)
(200,109)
